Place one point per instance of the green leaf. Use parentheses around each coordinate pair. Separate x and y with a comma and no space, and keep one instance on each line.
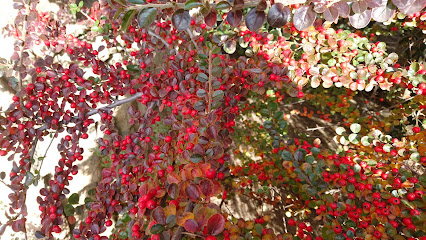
(201,93)
(216,50)
(146,17)
(286,156)
(127,20)
(216,61)
(267,124)
(278,115)
(311,191)
(202,77)
(29,177)
(192,4)
(222,5)
(366,141)
(415,156)
(355,127)
(136,1)
(282,124)
(69,210)
(415,66)
(157,228)
(80,4)
(258,228)
(133,68)
(353,138)
(218,95)
(196,158)
(74,198)
(217,71)
(340,130)
(315,150)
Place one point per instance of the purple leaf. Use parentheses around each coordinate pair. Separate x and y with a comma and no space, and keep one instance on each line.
(210,19)
(193,192)
(304,17)
(234,18)
(331,14)
(343,8)
(159,215)
(409,7)
(383,13)
(359,7)
(360,20)
(215,224)
(191,225)
(278,15)
(181,20)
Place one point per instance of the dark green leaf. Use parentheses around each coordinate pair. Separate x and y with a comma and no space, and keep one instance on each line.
(157,229)
(201,93)
(136,1)
(202,77)
(222,5)
(127,20)
(286,156)
(216,61)
(218,95)
(74,198)
(192,4)
(146,17)
(196,158)
(69,210)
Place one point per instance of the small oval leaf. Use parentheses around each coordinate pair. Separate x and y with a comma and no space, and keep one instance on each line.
(278,15)
(210,19)
(360,20)
(193,192)
(146,17)
(215,224)
(234,18)
(255,19)
(181,20)
(304,17)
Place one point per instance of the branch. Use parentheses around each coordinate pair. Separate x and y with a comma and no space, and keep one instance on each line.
(113,105)
(156,5)
(191,35)
(160,38)
(210,80)
(179,231)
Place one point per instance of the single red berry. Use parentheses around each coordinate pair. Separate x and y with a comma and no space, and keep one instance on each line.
(210,173)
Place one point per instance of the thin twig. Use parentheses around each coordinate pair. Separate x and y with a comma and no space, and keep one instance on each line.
(45,153)
(191,35)
(87,16)
(210,80)
(155,5)
(192,234)
(160,38)
(113,105)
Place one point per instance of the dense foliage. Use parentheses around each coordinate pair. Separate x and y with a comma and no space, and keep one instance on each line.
(211,121)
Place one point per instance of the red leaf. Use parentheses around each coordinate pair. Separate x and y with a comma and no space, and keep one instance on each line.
(192,192)
(159,215)
(191,225)
(215,224)
(210,19)
(206,187)
(234,18)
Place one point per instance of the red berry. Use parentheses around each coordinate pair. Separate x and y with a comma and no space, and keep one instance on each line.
(210,173)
